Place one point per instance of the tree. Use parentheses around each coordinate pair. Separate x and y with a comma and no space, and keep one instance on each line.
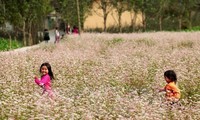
(162,11)
(190,6)
(121,6)
(137,6)
(158,9)
(78,14)
(2,12)
(24,14)
(106,7)
(69,12)
(144,7)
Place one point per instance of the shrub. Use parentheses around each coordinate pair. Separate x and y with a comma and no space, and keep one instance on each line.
(196,28)
(6,45)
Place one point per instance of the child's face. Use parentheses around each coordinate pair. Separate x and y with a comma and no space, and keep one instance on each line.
(44,70)
(167,80)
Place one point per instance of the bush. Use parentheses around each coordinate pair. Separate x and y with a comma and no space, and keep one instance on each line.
(196,28)
(6,45)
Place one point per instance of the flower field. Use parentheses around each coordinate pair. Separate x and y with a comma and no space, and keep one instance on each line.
(104,77)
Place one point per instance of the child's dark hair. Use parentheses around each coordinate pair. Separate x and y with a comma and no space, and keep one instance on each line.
(49,69)
(170,74)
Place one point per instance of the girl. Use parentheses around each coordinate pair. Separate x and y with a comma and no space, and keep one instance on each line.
(172,91)
(57,35)
(46,77)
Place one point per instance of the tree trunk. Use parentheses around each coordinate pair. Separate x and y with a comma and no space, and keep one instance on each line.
(30,40)
(120,26)
(133,19)
(10,41)
(180,22)
(104,19)
(190,20)
(144,15)
(160,23)
(24,33)
(105,22)
(34,31)
(144,21)
(78,13)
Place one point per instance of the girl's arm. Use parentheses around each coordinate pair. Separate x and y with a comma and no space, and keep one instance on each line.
(43,80)
(161,90)
(38,81)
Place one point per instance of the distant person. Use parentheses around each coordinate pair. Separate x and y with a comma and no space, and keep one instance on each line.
(68,29)
(57,36)
(46,35)
(75,30)
(172,91)
(46,77)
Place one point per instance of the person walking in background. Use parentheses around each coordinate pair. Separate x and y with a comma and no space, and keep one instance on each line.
(57,35)
(172,91)
(68,29)
(75,30)
(46,35)
(46,77)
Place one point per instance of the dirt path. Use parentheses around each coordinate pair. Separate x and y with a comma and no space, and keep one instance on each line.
(24,49)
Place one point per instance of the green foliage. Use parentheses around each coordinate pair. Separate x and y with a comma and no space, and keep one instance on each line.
(24,15)
(68,8)
(5,44)
(169,12)
(196,28)
(2,18)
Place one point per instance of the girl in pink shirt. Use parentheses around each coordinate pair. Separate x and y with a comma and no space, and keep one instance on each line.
(45,81)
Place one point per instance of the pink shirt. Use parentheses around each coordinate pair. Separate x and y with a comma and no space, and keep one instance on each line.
(45,82)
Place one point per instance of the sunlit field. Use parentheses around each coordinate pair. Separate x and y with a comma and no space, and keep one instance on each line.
(104,76)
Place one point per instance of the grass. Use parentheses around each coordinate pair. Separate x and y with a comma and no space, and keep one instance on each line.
(104,76)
